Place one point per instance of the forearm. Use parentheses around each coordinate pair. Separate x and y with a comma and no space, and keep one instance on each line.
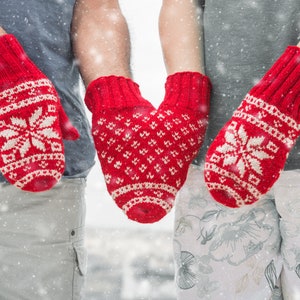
(181,36)
(100,39)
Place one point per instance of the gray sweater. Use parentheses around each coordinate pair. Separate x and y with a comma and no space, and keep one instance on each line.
(43,29)
(242,39)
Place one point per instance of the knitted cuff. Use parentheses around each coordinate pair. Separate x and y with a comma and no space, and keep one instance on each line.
(280,86)
(113,92)
(189,90)
(14,62)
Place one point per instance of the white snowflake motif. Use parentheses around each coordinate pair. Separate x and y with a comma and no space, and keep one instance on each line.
(21,134)
(243,151)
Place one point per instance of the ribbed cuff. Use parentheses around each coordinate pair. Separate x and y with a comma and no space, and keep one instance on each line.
(14,61)
(280,86)
(189,90)
(113,92)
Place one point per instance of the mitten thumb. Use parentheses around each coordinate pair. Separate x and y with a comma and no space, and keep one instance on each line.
(69,132)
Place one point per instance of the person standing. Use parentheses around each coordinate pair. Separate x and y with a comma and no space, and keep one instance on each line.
(42,213)
(223,251)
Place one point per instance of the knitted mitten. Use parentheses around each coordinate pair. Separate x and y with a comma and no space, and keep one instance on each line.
(248,154)
(145,152)
(32,122)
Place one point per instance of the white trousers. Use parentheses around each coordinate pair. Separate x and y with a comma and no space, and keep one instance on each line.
(41,242)
(245,253)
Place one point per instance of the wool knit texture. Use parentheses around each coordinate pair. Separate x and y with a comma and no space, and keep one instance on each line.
(32,122)
(145,152)
(248,154)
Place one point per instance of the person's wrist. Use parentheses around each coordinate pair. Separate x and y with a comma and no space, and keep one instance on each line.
(2,31)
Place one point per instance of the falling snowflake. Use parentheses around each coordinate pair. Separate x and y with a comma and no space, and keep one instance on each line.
(243,151)
(22,134)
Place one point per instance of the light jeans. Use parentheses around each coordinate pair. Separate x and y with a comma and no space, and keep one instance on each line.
(245,253)
(41,242)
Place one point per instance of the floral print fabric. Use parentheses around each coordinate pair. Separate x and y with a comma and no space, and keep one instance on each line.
(226,253)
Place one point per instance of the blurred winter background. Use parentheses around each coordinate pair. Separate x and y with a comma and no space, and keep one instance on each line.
(128,260)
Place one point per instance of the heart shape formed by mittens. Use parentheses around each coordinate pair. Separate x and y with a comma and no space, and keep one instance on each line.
(145,152)
(144,158)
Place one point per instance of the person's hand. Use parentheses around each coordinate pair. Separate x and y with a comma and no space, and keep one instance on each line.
(32,122)
(248,154)
(145,152)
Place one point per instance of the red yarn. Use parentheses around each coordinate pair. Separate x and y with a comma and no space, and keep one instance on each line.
(145,152)
(32,122)
(248,154)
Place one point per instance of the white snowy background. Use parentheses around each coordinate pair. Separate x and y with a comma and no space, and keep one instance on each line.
(128,260)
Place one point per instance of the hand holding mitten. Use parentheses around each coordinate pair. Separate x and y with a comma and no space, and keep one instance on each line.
(248,154)
(32,122)
(145,152)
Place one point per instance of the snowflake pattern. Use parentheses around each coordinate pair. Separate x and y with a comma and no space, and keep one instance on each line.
(21,134)
(242,150)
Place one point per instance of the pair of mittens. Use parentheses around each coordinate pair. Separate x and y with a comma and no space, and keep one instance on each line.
(248,154)
(32,122)
(145,152)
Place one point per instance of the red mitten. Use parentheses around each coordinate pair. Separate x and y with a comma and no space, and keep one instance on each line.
(32,122)
(144,152)
(248,154)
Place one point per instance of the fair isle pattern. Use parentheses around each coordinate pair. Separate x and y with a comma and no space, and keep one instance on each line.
(249,185)
(258,137)
(21,134)
(250,151)
(38,174)
(27,102)
(267,111)
(15,164)
(30,137)
(220,186)
(141,200)
(144,186)
(145,153)
(25,86)
(242,150)
(273,110)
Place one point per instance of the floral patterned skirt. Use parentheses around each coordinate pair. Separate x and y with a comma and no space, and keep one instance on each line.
(252,252)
